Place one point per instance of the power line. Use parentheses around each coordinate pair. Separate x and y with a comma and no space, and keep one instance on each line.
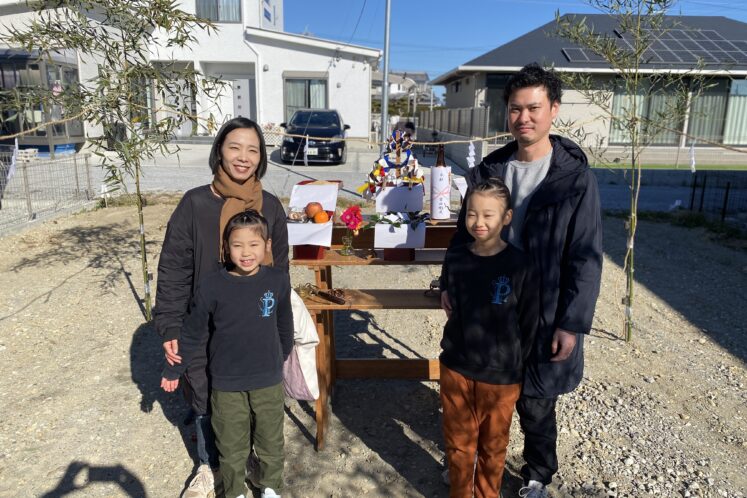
(360,15)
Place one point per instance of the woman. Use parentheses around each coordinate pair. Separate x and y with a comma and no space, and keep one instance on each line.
(192,249)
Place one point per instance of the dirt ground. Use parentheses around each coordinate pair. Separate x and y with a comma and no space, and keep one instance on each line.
(82,413)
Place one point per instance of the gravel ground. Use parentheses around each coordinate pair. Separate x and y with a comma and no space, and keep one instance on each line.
(83,414)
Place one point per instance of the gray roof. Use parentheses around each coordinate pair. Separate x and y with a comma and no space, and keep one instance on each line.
(715,46)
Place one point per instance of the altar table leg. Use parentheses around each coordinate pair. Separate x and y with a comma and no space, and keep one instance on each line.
(323,372)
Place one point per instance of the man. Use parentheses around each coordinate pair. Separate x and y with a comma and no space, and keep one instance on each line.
(557,221)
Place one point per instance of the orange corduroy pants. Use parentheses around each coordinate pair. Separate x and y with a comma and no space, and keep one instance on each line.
(476,420)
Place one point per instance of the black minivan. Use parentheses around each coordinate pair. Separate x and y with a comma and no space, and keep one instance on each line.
(325,130)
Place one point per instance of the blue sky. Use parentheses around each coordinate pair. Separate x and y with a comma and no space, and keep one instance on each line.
(438,35)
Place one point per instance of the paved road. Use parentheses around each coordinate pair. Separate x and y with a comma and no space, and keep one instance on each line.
(189,169)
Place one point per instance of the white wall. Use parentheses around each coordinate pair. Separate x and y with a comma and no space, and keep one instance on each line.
(351,99)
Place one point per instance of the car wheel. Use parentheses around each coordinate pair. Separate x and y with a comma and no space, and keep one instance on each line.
(344,156)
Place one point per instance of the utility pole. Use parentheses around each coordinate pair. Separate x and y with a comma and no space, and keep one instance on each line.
(385,82)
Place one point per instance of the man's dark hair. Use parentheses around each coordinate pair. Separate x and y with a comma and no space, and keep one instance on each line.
(227,128)
(533,75)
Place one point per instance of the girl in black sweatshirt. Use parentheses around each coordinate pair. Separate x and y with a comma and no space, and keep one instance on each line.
(249,307)
(491,325)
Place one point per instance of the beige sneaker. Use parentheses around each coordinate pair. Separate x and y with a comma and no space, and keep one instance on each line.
(202,485)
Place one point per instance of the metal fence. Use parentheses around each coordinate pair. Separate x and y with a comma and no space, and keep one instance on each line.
(468,121)
(32,188)
(719,193)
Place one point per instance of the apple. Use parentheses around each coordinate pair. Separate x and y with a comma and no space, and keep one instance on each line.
(312,208)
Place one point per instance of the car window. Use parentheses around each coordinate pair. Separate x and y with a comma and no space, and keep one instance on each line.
(315,118)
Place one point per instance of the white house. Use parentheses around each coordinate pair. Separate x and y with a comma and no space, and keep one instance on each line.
(270,73)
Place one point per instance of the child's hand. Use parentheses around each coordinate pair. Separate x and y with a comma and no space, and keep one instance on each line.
(169,385)
(171,348)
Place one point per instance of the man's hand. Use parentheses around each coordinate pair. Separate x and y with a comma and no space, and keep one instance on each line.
(445,303)
(172,349)
(169,385)
(563,343)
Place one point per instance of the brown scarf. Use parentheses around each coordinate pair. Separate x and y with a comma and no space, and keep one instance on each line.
(238,198)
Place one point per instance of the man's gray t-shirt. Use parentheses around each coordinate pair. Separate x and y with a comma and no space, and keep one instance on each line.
(523,179)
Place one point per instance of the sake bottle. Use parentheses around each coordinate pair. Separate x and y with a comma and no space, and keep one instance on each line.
(440,188)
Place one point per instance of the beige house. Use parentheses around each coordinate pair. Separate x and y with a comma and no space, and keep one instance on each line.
(717,116)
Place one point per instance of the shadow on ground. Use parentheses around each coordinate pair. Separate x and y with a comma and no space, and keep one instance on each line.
(81,475)
(105,247)
(710,295)
(146,367)
(398,420)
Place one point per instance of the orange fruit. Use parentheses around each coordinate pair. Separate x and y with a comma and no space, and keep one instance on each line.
(321,217)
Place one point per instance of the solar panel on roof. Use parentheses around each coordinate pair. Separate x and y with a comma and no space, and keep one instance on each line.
(708,45)
(593,56)
(729,58)
(574,54)
(678,34)
(696,35)
(690,45)
(713,35)
(725,45)
(675,46)
(582,55)
(685,56)
(705,56)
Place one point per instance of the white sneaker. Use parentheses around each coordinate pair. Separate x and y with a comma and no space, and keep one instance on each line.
(202,484)
(533,489)
(270,493)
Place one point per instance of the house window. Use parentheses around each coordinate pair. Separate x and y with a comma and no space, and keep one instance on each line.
(303,93)
(735,127)
(219,10)
(268,15)
(707,112)
(495,84)
(456,87)
(652,104)
(30,115)
(717,113)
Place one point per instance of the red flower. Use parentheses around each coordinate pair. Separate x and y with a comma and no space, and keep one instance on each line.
(352,218)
